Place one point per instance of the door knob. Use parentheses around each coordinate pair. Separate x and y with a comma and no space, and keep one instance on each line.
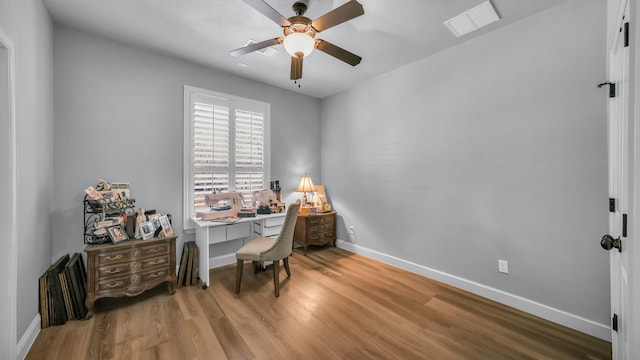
(608,243)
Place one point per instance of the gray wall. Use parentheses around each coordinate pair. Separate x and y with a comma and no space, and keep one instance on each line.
(494,149)
(28,25)
(119,116)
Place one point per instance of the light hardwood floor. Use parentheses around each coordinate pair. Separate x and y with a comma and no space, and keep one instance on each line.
(336,305)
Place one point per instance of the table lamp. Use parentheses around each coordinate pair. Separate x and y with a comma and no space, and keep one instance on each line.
(305,186)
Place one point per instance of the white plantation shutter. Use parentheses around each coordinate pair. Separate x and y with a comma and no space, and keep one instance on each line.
(249,151)
(226,142)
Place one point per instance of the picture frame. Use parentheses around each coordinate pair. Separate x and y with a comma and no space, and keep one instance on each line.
(155,219)
(117,234)
(166,225)
(146,230)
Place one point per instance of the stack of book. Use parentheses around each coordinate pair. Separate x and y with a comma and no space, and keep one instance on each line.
(63,291)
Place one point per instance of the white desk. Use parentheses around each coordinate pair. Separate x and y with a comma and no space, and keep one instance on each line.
(213,232)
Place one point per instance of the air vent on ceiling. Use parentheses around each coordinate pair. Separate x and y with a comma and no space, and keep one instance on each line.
(268,51)
(473,19)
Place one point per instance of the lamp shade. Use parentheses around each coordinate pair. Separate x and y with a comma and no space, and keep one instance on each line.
(306,185)
(299,42)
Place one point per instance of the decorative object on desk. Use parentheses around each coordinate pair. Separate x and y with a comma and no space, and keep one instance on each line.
(93,193)
(320,199)
(146,230)
(155,219)
(130,226)
(122,189)
(103,185)
(275,187)
(221,205)
(247,212)
(166,226)
(117,234)
(264,209)
(305,186)
(140,218)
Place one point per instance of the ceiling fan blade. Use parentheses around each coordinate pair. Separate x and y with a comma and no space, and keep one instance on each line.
(345,12)
(296,67)
(338,52)
(257,46)
(268,11)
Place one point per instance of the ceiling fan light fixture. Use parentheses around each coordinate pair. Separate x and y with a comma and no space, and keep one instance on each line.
(299,42)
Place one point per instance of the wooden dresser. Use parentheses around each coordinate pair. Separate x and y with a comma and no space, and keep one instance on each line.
(316,229)
(129,268)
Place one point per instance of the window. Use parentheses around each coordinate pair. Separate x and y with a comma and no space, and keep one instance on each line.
(226,147)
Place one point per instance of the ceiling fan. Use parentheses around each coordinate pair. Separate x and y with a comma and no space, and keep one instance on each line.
(300,31)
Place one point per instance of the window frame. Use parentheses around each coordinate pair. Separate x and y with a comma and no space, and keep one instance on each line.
(235,102)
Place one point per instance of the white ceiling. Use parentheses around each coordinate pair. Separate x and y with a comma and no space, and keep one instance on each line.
(389,35)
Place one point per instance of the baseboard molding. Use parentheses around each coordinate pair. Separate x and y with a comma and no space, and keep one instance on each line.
(564,318)
(27,339)
(222,260)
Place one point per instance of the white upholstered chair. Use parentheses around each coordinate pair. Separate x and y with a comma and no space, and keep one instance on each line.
(270,249)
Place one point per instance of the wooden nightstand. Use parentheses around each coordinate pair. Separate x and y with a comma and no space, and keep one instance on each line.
(316,229)
(129,268)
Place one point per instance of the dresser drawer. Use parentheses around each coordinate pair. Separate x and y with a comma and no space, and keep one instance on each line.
(112,257)
(113,284)
(134,266)
(150,250)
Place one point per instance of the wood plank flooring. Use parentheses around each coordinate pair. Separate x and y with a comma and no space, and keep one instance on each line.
(336,305)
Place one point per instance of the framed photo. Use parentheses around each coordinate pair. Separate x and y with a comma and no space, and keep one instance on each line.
(146,230)
(155,219)
(117,234)
(166,225)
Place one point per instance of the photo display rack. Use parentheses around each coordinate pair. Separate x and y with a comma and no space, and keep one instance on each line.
(96,212)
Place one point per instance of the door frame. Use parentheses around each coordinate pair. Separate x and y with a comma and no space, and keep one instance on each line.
(11,252)
(634,183)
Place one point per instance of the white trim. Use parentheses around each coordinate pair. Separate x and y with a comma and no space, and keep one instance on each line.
(29,336)
(12,247)
(247,104)
(564,318)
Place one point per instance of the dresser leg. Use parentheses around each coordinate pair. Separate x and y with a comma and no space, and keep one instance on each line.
(171,286)
(89,302)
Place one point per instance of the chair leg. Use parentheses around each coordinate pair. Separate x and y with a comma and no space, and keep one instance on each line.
(286,266)
(276,276)
(239,266)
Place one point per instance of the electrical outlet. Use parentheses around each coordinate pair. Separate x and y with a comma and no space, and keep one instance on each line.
(503,266)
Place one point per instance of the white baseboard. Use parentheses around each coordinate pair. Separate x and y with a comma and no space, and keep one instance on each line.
(564,318)
(29,336)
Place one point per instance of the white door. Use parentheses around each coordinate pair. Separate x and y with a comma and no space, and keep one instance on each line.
(619,195)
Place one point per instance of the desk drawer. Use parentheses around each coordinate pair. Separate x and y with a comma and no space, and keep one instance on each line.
(274,222)
(218,234)
(267,232)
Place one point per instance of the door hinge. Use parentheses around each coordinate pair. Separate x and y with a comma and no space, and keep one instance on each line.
(624,225)
(614,322)
(612,88)
(612,205)
(626,34)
